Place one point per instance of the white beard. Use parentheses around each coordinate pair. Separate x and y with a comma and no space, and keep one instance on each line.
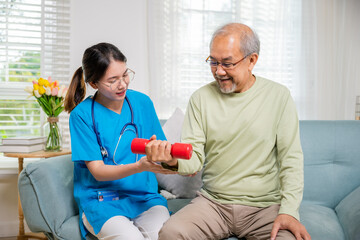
(227,91)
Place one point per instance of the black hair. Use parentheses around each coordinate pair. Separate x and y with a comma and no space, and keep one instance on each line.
(95,61)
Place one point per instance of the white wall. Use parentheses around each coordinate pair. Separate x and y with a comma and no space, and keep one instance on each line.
(120,22)
(8,205)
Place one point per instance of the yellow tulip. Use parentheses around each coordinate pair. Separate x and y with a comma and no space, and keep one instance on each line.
(46,83)
(41,90)
(41,81)
(36,86)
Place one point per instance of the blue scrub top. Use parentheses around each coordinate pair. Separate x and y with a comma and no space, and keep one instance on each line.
(138,192)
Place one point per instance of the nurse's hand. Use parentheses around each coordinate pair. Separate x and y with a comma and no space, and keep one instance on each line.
(160,151)
(145,164)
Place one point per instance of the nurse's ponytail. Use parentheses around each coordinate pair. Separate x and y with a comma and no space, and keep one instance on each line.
(95,62)
(76,91)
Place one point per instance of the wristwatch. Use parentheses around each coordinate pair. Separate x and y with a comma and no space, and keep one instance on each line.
(172,168)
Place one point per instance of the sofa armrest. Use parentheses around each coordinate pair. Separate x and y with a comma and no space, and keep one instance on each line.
(46,194)
(29,203)
(348,211)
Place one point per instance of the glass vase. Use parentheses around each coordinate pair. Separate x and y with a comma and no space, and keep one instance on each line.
(53,133)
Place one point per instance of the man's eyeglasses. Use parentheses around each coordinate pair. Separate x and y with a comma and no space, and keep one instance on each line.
(127,78)
(224,65)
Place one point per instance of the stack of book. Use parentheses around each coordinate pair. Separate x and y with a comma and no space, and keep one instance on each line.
(22,144)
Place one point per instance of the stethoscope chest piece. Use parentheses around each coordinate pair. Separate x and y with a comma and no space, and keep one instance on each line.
(104,152)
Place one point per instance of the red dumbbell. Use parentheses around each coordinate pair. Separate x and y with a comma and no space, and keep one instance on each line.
(178,150)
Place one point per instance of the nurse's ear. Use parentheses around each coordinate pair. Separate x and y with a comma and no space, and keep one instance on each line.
(93,85)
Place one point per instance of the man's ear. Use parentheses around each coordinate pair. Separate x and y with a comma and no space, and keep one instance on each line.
(253,59)
(93,85)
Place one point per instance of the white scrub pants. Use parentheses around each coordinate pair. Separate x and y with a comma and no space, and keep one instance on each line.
(146,226)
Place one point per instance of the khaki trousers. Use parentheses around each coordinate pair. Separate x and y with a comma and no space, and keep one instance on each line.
(206,219)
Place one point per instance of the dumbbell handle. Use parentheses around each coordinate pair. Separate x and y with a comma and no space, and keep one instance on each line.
(178,150)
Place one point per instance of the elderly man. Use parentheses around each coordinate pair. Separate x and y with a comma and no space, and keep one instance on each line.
(244,131)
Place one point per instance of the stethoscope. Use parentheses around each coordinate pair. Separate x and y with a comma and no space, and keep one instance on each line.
(103,150)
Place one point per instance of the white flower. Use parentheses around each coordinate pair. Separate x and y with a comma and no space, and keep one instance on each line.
(61,90)
(37,94)
(29,90)
(64,93)
(47,91)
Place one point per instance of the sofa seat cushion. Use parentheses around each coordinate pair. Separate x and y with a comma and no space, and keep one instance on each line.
(70,229)
(177,203)
(348,211)
(321,222)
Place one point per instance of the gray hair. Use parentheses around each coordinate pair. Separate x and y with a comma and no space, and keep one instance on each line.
(249,40)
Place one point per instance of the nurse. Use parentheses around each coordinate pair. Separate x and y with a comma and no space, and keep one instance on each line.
(116,190)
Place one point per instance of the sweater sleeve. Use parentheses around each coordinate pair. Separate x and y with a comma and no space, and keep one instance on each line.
(193,133)
(290,158)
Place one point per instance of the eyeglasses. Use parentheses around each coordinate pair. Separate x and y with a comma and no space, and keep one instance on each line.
(224,65)
(127,78)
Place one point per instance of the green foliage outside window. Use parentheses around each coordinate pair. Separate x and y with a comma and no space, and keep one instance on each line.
(26,69)
(21,117)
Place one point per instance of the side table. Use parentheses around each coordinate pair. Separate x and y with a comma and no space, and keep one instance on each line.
(20,156)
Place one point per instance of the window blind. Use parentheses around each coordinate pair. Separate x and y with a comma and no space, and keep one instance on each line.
(34,42)
(180,32)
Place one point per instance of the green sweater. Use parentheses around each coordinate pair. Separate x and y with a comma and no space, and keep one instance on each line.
(248,144)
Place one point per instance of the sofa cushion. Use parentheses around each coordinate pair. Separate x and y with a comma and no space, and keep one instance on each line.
(176,204)
(321,222)
(331,160)
(67,229)
(348,212)
(70,230)
(180,186)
